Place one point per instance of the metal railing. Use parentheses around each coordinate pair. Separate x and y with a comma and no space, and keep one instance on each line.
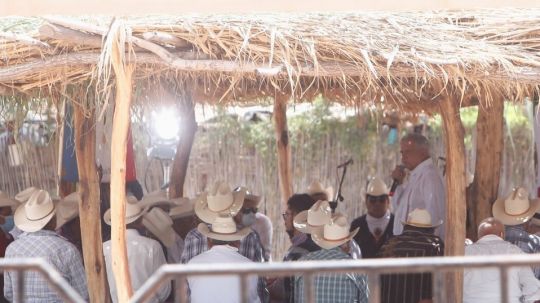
(372,267)
(48,272)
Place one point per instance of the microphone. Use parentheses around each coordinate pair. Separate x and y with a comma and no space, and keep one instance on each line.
(395,183)
(350,161)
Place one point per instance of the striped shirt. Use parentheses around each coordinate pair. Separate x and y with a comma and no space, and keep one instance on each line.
(333,288)
(196,243)
(529,243)
(409,288)
(56,251)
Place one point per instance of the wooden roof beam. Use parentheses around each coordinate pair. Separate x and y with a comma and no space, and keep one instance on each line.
(183,62)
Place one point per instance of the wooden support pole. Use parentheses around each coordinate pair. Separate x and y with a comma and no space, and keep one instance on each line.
(455,192)
(489,154)
(283,147)
(89,209)
(187,136)
(120,129)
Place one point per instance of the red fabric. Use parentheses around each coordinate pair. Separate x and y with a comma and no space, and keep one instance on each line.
(131,174)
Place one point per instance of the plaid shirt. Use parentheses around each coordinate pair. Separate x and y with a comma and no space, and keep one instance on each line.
(55,250)
(195,244)
(333,288)
(409,288)
(529,243)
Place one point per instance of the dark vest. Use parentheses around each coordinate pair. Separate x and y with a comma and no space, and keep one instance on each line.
(369,246)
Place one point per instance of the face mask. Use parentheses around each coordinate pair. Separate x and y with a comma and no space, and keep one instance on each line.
(248,219)
(8,224)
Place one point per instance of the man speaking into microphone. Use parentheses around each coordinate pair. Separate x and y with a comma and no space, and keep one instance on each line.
(424,188)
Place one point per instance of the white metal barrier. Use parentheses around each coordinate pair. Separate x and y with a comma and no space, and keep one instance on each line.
(372,267)
(48,272)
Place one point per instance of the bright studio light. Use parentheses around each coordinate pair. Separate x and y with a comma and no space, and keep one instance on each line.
(166,124)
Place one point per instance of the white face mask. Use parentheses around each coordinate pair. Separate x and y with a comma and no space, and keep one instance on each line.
(248,219)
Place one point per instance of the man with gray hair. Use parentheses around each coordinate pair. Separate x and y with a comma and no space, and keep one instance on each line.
(424,188)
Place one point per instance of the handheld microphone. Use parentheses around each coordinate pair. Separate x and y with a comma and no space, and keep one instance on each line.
(350,161)
(395,183)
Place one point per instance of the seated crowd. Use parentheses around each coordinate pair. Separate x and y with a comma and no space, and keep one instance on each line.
(223,225)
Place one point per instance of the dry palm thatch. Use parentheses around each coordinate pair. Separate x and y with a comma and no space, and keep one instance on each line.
(407,59)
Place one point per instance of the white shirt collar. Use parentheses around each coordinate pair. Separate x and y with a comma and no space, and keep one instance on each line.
(378,223)
(224,248)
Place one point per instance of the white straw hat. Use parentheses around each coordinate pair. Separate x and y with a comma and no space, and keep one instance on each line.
(182,207)
(133,211)
(251,200)
(25,194)
(219,200)
(223,228)
(317,188)
(334,233)
(35,213)
(377,187)
(420,217)
(517,208)
(319,214)
(159,224)
(67,209)
(158,197)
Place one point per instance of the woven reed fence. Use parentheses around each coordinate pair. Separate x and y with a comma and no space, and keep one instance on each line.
(38,167)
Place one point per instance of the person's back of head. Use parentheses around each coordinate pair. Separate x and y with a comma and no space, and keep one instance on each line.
(300,202)
(490,226)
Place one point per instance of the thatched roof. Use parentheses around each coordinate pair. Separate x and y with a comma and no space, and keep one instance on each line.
(349,57)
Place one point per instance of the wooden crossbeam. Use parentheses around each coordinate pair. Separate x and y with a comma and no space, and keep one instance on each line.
(183,62)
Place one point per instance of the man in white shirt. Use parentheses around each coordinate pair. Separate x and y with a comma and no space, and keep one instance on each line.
(483,285)
(223,242)
(424,188)
(145,255)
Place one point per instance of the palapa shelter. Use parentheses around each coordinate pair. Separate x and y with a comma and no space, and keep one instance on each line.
(417,62)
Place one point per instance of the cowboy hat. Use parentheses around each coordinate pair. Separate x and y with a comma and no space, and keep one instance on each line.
(158,197)
(67,209)
(35,213)
(6,201)
(334,233)
(133,211)
(250,200)
(420,217)
(25,194)
(223,228)
(319,214)
(316,188)
(181,208)
(516,209)
(377,187)
(159,224)
(220,199)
